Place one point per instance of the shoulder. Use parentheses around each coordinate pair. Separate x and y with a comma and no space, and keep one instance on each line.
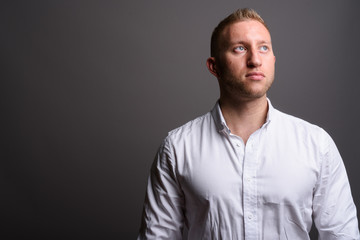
(190,129)
(184,139)
(288,120)
(302,129)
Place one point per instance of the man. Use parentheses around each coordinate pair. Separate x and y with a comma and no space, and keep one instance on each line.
(246,170)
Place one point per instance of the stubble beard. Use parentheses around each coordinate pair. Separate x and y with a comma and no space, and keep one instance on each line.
(239,88)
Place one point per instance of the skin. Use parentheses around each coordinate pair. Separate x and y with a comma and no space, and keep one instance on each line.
(244,67)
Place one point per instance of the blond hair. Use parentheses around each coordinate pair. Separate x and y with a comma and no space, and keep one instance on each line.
(237,16)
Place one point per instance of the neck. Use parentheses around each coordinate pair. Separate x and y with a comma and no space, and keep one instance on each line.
(244,116)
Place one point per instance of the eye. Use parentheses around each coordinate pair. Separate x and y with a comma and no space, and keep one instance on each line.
(264,48)
(240,49)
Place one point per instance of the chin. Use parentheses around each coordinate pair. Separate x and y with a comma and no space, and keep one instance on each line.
(246,91)
(253,94)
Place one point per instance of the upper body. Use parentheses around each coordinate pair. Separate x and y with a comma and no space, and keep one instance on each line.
(206,179)
(247,171)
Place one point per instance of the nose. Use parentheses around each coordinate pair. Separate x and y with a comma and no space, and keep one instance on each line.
(254,59)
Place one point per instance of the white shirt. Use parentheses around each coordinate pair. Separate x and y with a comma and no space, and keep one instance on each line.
(205,179)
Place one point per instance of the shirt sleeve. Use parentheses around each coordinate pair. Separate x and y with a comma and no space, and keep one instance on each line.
(164,203)
(334,210)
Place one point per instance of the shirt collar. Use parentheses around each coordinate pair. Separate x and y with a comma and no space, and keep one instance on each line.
(221,123)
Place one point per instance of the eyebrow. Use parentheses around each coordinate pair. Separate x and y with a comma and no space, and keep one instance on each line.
(264,42)
(244,42)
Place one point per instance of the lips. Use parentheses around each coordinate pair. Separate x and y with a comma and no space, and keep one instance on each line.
(255,75)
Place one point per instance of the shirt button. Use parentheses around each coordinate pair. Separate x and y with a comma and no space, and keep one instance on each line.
(248,179)
(250,216)
(238,145)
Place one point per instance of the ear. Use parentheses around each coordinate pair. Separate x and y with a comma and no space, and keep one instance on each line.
(211,65)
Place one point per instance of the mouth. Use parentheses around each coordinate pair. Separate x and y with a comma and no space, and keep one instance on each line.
(255,75)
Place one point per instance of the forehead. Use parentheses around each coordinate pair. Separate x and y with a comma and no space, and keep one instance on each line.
(246,31)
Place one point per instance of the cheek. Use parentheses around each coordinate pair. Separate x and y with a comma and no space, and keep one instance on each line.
(235,65)
(269,66)
(270,62)
(232,66)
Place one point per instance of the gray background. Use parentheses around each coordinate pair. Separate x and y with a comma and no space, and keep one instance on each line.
(90,88)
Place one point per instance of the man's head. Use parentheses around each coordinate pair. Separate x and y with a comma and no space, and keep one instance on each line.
(241,56)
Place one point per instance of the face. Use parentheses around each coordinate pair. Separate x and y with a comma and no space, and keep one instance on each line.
(245,64)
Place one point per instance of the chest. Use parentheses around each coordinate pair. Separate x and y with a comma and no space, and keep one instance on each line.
(279,173)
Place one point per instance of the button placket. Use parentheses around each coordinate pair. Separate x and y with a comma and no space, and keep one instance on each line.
(250,189)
